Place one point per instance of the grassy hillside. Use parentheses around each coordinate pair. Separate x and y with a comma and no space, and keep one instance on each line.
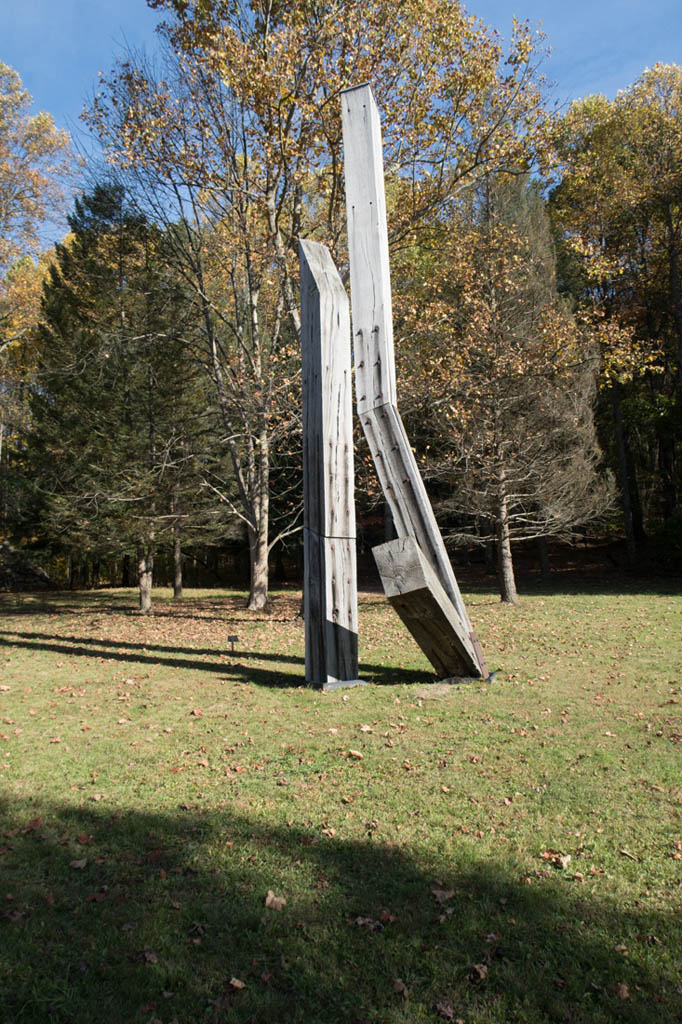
(189,834)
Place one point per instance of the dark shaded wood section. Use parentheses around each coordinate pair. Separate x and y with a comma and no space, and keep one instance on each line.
(330,582)
(412,587)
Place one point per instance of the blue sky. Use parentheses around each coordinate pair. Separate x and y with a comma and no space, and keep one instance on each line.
(58,46)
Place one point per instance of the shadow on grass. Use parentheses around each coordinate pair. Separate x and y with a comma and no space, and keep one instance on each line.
(230,665)
(127,917)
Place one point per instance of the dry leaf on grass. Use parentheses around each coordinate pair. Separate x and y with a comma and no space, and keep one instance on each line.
(442,895)
(400,988)
(274,902)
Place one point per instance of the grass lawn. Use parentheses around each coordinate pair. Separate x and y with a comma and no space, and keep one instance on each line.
(190,835)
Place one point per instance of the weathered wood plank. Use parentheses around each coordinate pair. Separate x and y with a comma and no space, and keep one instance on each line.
(413,589)
(370,279)
(330,584)
(375,385)
(327,390)
(330,609)
(406,494)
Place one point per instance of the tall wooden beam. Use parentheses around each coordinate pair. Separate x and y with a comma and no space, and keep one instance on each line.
(414,591)
(330,584)
(375,382)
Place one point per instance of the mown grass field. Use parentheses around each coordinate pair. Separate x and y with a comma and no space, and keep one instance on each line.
(505,852)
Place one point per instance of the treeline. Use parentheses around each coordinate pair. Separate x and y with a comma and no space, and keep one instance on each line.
(150,364)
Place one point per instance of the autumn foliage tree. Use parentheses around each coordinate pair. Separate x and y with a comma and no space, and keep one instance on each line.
(618,206)
(34,163)
(502,378)
(239,136)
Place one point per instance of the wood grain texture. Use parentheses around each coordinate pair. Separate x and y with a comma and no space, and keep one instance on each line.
(413,589)
(370,281)
(330,609)
(327,396)
(406,494)
(375,384)
(330,583)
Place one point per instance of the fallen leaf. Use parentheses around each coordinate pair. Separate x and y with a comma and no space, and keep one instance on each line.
(400,988)
(32,825)
(96,897)
(236,984)
(274,902)
(445,1010)
(367,922)
(622,991)
(365,728)
(479,972)
(357,755)
(442,895)
(79,864)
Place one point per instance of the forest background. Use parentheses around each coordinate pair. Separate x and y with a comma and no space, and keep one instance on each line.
(149,363)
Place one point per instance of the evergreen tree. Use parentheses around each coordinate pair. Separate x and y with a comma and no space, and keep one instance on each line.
(122,435)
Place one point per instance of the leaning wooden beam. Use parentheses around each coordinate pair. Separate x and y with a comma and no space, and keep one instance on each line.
(412,587)
(330,584)
(375,382)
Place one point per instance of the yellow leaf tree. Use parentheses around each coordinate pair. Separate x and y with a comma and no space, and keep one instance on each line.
(502,377)
(618,205)
(238,141)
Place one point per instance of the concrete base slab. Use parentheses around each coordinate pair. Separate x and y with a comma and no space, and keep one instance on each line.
(339,684)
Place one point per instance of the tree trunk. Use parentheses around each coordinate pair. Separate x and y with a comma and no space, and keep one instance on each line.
(543,558)
(258,551)
(125,571)
(177,563)
(145,570)
(624,475)
(490,558)
(666,465)
(280,570)
(505,566)
(675,292)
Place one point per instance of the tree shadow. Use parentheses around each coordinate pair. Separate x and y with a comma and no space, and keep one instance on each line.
(230,665)
(128,916)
